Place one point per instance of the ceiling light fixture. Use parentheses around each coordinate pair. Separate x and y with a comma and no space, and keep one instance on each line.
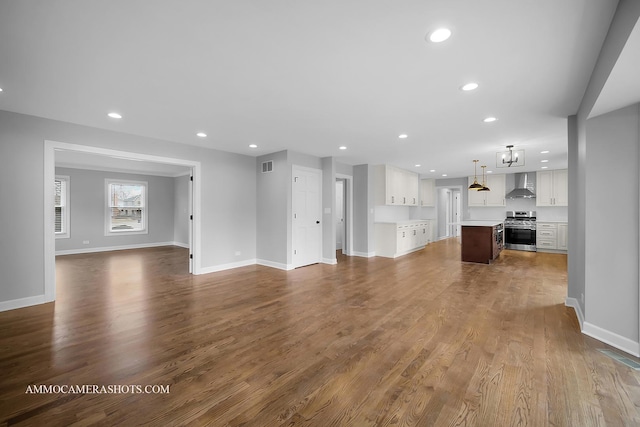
(469,86)
(403,136)
(507,159)
(475,185)
(489,119)
(484,182)
(417,166)
(201,134)
(0,89)
(544,161)
(444,174)
(342,147)
(253,146)
(544,167)
(439,35)
(544,152)
(432,170)
(114,115)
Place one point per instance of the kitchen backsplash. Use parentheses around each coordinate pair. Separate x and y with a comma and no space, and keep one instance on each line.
(544,213)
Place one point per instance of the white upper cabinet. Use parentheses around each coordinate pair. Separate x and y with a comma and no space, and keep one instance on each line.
(552,188)
(427,192)
(395,186)
(494,197)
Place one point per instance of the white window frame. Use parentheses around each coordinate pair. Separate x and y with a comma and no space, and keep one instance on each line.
(64,205)
(107,211)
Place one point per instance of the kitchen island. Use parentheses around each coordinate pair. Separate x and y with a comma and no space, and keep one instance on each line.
(482,241)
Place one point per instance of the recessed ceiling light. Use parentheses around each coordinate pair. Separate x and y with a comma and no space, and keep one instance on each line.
(544,152)
(469,86)
(489,119)
(253,146)
(544,161)
(0,89)
(544,167)
(403,136)
(342,147)
(489,171)
(114,115)
(440,35)
(417,166)
(201,134)
(432,170)
(444,174)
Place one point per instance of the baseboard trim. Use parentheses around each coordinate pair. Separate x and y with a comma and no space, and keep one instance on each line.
(573,303)
(364,254)
(273,264)
(117,248)
(228,266)
(611,338)
(22,302)
(180,245)
(331,261)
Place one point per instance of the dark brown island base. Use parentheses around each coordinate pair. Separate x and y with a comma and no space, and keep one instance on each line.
(482,241)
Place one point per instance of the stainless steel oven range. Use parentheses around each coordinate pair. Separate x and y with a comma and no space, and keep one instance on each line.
(520,230)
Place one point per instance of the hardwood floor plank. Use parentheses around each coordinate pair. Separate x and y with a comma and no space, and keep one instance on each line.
(419,340)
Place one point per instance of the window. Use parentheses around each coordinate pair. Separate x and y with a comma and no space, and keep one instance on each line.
(62,207)
(126,207)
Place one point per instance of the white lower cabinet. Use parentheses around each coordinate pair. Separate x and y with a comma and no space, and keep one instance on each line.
(563,235)
(551,236)
(394,239)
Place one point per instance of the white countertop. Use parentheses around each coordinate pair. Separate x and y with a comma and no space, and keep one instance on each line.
(404,221)
(480,223)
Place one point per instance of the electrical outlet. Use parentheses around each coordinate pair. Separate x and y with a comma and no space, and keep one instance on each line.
(85,242)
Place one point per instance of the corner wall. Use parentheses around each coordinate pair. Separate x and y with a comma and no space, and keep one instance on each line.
(621,330)
(612,227)
(228,202)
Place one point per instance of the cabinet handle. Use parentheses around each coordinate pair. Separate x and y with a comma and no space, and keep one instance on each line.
(393,199)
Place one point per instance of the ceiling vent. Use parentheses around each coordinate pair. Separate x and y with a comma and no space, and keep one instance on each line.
(267,166)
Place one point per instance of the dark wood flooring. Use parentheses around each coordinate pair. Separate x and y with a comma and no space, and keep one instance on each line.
(423,340)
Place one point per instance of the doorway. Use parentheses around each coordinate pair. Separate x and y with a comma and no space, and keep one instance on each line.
(50,148)
(343,217)
(449,211)
(340,215)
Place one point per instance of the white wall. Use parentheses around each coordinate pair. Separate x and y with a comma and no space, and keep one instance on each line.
(363,211)
(228,197)
(613,222)
(585,143)
(181,210)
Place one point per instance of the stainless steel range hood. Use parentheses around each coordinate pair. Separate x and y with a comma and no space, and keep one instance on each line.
(525,186)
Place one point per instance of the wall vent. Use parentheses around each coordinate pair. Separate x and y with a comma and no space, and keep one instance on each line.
(267,166)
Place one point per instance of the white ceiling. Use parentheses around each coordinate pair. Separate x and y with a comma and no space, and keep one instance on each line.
(311,76)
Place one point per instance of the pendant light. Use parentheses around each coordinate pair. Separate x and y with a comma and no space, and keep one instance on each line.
(475,185)
(484,185)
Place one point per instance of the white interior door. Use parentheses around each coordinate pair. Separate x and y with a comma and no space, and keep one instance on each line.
(307,213)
